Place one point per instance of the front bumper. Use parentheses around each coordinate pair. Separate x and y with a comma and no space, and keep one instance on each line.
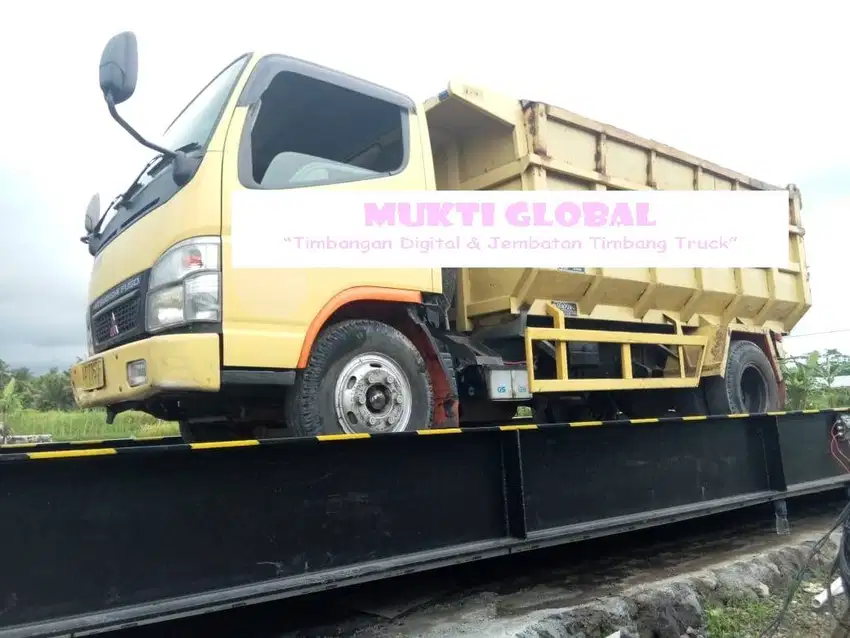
(182,362)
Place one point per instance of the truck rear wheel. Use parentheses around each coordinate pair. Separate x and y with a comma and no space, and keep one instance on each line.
(363,376)
(749,385)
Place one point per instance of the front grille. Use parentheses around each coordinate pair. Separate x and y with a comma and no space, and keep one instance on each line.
(119,320)
(118,315)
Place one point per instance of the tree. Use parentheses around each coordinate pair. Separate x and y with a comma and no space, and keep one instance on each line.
(834,365)
(810,380)
(49,391)
(10,401)
(4,373)
(802,380)
(24,380)
(52,391)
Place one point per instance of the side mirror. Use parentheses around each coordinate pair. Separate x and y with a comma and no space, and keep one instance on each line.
(119,67)
(92,213)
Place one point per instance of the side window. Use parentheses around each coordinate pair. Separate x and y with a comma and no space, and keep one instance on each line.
(312,132)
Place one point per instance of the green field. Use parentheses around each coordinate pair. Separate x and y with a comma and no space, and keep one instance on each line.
(81,425)
(88,424)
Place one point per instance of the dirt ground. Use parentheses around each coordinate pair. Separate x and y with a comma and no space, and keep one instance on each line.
(738,598)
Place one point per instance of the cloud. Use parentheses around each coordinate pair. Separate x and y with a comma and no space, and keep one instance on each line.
(825,326)
(742,84)
(42,278)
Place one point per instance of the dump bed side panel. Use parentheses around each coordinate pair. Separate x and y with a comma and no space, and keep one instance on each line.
(487,142)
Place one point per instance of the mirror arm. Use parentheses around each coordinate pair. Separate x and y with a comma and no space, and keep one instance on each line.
(110,104)
(87,240)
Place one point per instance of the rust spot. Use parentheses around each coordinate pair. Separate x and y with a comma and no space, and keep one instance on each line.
(532,119)
(445,399)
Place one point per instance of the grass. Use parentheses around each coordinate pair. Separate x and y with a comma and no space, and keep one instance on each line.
(88,424)
(81,425)
(748,618)
(735,621)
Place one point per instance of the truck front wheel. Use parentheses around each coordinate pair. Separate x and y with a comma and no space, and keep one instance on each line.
(363,376)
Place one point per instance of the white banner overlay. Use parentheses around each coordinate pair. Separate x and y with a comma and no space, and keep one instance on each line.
(308,228)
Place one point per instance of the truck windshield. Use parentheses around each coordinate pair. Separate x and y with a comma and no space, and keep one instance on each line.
(195,124)
(190,130)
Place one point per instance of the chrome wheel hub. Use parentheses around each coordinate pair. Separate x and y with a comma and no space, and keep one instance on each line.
(372,395)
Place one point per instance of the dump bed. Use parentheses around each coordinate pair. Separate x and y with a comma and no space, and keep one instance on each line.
(485,141)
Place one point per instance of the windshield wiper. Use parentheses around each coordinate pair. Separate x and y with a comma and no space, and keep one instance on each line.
(124,198)
(154,166)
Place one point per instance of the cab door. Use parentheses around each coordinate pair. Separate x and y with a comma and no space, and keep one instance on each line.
(301,126)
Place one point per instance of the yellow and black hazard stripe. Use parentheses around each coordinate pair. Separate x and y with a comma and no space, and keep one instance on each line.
(97,448)
(90,443)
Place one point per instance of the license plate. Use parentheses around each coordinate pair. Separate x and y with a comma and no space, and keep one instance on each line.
(92,376)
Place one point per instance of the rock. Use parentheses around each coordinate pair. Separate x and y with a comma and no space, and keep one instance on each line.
(28,438)
(664,611)
(671,608)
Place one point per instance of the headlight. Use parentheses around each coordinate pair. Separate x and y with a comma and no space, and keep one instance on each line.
(185,285)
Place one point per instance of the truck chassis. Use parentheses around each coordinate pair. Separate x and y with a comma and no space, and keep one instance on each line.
(106,534)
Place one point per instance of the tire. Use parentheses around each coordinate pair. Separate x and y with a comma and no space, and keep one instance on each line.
(749,385)
(390,381)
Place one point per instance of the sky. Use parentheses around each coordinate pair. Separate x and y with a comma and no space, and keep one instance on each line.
(753,86)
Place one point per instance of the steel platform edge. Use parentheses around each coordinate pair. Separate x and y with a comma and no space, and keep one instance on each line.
(107,534)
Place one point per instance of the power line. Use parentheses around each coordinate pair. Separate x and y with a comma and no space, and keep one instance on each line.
(817,334)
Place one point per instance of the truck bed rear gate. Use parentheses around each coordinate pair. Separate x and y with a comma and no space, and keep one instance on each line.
(104,535)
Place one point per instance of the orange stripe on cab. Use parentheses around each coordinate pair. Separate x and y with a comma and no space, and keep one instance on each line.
(359,293)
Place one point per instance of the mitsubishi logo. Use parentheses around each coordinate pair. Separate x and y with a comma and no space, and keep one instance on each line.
(113,325)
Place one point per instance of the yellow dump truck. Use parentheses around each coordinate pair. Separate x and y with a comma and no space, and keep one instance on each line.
(176,331)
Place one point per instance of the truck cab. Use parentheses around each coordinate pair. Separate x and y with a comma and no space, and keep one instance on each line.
(160,339)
